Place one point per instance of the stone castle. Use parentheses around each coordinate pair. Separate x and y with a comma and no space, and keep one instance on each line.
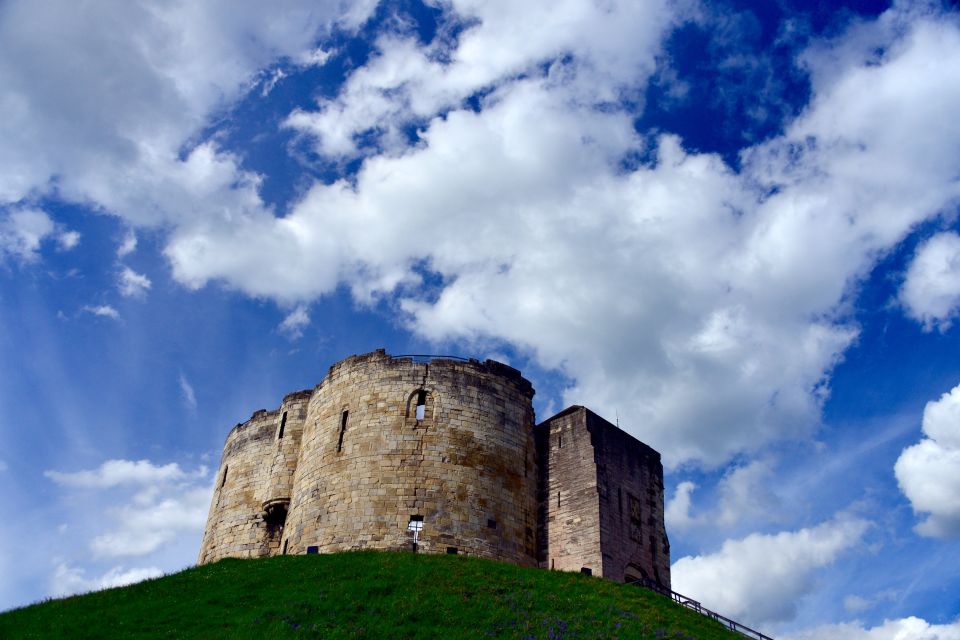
(439,455)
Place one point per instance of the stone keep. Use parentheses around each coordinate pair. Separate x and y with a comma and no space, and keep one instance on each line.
(438,456)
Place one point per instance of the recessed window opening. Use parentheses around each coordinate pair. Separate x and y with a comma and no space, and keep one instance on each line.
(587,571)
(560,441)
(558,498)
(223,480)
(421,404)
(313,549)
(452,551)
(285,543)
(343,428)
(283,423)
(415,526)
(491,523)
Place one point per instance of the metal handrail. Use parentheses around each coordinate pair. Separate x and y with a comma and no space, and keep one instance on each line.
(690,603)
(430,357)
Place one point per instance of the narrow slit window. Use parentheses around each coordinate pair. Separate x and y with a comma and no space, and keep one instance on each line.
(285,543)
(558,499)
(283,423)
(421,404)
(343,428)
(223,480)
(560,442)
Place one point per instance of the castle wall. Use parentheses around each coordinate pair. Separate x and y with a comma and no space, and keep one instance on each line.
(384,444)
(630,489)
(601,500)
(368,465)
(569,506)
(234,525)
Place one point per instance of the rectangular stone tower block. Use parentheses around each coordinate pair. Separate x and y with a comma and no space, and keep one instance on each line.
(600,500)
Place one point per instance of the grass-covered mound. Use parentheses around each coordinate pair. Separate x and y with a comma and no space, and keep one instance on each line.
(364,595)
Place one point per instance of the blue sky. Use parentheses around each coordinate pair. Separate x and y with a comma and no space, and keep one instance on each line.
(730,225)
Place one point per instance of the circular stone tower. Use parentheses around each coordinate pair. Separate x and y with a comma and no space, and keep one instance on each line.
(385,453)
(397,452)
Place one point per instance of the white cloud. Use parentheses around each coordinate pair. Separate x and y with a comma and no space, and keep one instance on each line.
(128,245)
(929,472)
(744,497)
(761,578)
(295,322)
(149,506)
(103,310)
(707,307)
(133,284)
(151,521)
(68,580)
(113,473)
(911,628)
(677,512)
(931,289)
(22,231)
(186,391)
(100,101)
(68,240)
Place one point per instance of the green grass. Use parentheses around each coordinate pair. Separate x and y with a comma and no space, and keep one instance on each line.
(364,595)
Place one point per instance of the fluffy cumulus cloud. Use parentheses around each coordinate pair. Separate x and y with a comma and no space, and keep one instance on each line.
(911,628)
(929,471)
(761,578)
(144,508)
(743,497)
(931,289)
(23,230)
(101,101)
(706,305)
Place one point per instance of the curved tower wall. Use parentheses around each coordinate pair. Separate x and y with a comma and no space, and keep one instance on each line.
(466,467)
(234,526)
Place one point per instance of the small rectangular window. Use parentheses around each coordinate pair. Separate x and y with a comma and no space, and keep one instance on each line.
(491,523)
(313,549)
(283,423)
(560,441)
(285,543)
(452,551)
(587,571)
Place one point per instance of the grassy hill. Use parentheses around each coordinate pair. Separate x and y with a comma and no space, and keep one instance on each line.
(365,595)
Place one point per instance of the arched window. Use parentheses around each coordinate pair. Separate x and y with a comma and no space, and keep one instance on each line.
(420,407)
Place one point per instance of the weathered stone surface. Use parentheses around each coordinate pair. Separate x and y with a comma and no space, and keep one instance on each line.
(350,464)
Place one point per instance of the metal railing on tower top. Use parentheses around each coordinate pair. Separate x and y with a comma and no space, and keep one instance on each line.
(690,603)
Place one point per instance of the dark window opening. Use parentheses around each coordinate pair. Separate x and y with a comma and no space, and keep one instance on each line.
(587,571)
(560,442)
(313,549)
(285,543)
(223,480)
(558,499)
(552,565)
(275,516)
(283,423)
(491,523)
(343,428)
(452,551)
(421,404)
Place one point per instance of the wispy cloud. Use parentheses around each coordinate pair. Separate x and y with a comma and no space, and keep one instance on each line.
(103,310)
(132,284)
(186,391)
(68,580)
(295,322)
